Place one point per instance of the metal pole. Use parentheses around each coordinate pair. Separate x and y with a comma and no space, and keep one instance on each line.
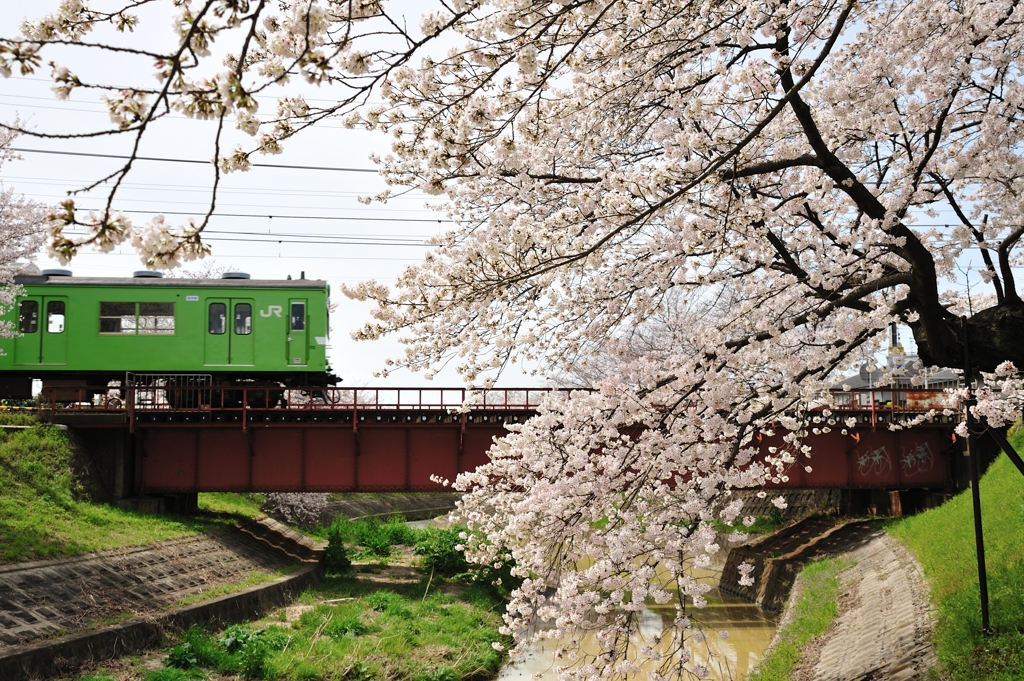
(972,452)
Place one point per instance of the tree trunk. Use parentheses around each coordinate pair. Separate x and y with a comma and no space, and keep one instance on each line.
(995,335)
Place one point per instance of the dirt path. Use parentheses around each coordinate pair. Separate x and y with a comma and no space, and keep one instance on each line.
(884,626)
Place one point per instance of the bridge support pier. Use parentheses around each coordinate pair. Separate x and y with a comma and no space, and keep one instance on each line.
(108,457)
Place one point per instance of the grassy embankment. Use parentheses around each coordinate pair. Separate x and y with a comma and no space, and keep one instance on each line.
(943,540)
(404,610)
(45,511)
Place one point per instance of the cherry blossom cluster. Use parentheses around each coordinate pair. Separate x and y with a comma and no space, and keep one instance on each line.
(300,508)
(998,400)
(21,234)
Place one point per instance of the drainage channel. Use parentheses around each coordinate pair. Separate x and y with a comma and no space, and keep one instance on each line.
(736,634)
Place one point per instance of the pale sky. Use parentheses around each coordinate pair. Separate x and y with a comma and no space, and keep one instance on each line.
(275,234)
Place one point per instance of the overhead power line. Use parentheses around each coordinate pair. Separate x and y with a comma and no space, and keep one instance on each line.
(277,217)
(319,242)
(248,191)
(189,160)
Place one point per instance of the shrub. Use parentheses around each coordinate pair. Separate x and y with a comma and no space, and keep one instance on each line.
(399,532)
(237,637)
(254,658)
(376,537)
(336,557)
(438,548)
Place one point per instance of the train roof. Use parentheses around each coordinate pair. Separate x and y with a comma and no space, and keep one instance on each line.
(57,280)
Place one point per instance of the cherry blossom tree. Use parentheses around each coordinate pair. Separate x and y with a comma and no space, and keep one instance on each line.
(21,232)
(796,175)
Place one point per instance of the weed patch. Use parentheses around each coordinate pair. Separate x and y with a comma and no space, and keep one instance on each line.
(231,503)
(373,537)
(762,524)
(359,633)
(251,579)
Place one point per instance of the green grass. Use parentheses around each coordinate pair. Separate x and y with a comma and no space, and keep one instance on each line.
(942,539)
(250,579)
(231,503)
(401,632)
(816,607)
(373,537)
(43,511)
(16,418)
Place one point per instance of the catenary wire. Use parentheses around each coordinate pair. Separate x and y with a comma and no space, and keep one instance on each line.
(162,159)
(24,180)
(279,217)
(203,205)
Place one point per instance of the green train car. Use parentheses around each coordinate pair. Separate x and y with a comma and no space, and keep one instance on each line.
(235,330)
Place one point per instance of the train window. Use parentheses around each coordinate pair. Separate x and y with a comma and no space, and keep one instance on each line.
(55,316)
(298,316)
(243,319)
(156,318)
(218,318)
(136,318)
(117,318)
(28,316)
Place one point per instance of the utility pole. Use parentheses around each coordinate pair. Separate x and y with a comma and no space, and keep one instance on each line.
(972,453)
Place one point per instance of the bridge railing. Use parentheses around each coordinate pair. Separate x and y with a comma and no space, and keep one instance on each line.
(898,399)
(869,406)
(200,398)
(163,397)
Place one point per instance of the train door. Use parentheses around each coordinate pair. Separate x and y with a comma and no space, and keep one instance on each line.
(42,338)
(28,344)
(241,342)
(217,348)
(297,348)
(229,340)
(54,338)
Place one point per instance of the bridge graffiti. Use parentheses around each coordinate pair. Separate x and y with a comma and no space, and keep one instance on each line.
(918,458)
(874,463)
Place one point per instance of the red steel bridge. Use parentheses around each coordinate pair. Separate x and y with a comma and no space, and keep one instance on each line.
(184,439)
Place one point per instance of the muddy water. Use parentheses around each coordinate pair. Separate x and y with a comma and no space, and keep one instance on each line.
(730,656)
(749,628)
